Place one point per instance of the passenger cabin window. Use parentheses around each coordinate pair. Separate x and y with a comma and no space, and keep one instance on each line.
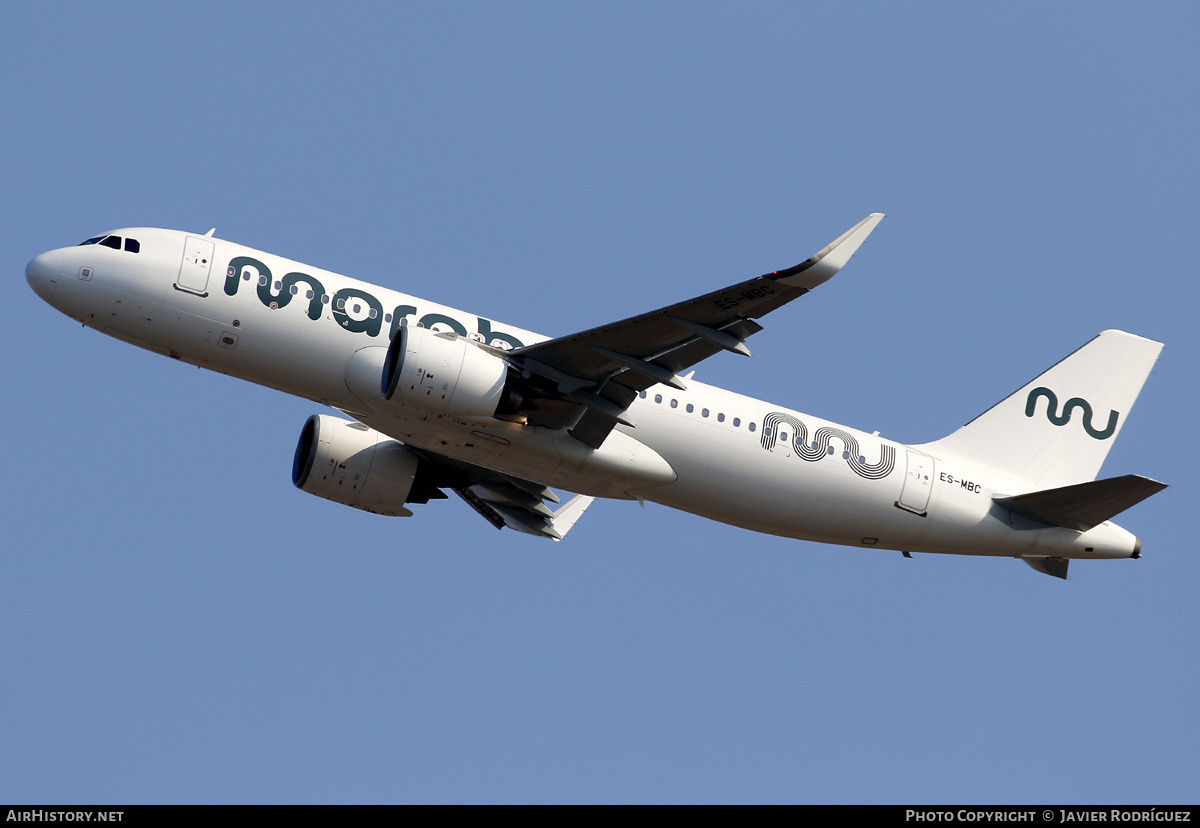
(111,241)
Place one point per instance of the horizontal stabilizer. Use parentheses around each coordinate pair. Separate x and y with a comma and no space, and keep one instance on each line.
(1084,505)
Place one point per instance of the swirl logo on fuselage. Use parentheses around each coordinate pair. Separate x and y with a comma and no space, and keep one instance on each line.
(819,447)
(1069,406)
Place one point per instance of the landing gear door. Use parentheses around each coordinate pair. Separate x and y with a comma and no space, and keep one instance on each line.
(196,266)
(918,483)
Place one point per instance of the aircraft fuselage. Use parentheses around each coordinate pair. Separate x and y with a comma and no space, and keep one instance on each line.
(732,458)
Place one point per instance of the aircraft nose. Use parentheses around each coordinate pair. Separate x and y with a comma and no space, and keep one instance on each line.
(43,273)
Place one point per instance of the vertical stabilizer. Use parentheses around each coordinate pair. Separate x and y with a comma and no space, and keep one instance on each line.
(1058,429)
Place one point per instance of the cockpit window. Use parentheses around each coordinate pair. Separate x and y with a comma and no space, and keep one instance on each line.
(131,245)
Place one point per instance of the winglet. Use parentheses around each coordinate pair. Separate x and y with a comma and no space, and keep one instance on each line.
(825,264)
(509,502)
(568,513)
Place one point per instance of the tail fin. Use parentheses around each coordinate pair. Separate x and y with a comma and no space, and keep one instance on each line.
(1058,429)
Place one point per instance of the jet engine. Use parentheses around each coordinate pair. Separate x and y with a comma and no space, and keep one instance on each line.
(348,463)
(442,374)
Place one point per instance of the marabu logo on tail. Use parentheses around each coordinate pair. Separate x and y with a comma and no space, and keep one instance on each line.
(1068,407)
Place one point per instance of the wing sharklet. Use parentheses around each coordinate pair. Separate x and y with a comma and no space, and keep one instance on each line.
(1084,505)
(569,513)
(823,266)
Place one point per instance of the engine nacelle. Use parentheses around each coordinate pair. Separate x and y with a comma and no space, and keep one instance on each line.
(442,374)
(351,464)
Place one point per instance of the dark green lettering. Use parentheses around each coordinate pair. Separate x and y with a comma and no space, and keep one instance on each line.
(399,313)
(233,273)
(431,319)
(489,336)
(283,296)
(370,325)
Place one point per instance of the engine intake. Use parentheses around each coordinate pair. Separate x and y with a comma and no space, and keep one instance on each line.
(354,465)
(442,374)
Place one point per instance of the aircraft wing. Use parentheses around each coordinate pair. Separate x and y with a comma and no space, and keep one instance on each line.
(586,381)
(498,505)
(503,500)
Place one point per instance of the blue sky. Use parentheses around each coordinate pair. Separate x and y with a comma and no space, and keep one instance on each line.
(181,625)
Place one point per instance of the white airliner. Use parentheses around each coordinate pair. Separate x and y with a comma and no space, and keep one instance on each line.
(441,399)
